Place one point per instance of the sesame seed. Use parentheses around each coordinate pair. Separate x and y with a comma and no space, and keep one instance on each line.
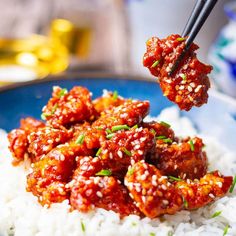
(165,202)
(99,194)
(140,152)
(163,187)
(120,154)
(198,88)
(189,88)
(211,195)
(192,84)
(220,184)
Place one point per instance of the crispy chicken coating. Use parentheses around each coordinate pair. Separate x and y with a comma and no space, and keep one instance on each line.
(184,159)
(107,101)
(18,145)
(199,193)
(151,191)
(130,113)
(45,139)
(18,142)
(89,191)
(126,148)
(93,137)
(188,85)
(58,165)
(66,108)
(155,194)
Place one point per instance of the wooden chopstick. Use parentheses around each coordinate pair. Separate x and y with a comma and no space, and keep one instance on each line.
(196,23)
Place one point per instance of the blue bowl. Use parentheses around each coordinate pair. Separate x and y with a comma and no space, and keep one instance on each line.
(216,118)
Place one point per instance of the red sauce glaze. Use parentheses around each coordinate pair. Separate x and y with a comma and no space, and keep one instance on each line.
(188,85)
(18,142)
(110,158)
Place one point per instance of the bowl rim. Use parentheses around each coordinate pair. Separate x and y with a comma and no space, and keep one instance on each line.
(104,75)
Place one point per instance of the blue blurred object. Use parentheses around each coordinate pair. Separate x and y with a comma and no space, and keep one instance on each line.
(217,118)
(222,54)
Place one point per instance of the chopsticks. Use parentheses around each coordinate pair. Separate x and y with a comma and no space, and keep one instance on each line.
(201,11)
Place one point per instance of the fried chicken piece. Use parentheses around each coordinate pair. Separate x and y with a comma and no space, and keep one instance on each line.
(100,191)
(151,191)
(30,124)
(18,145)
(107,101)
(184,159)
(199,193)
(156,195)
(66,108)
(188,85)
(45,139)
(18,142)
(130,113)
(126,148)
(58,165)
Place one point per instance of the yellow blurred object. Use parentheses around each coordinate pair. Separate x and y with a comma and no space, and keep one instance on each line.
(31,58)
(76,39)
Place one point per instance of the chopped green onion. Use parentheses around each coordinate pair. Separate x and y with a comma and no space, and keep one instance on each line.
(170,233)
(161,137)
(131,171)
(115,95)
(109,136)
(134,223)
(167,140)
(44,115)
(174,178)
(152,234)
(180,39)
(62,92)
(185,202)
(108,131)
(134,127)
(217,213)
(155,63)
(191,145)
(54,108)
(233,185)
(226,230)
(165,124)
(127,152)
(119,127)
(153,131)
(82,226)
(80,139)
(99,128)
(183,76)
(98,152)
(104,173)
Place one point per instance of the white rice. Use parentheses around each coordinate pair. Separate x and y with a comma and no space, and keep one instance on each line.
(22,215)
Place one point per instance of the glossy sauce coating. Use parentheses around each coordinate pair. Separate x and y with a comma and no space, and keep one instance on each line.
(106,156)
(188,85)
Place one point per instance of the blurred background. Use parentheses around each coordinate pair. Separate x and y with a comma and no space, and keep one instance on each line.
(50,37)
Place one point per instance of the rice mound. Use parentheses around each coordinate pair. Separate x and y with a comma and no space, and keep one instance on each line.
(22,215)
